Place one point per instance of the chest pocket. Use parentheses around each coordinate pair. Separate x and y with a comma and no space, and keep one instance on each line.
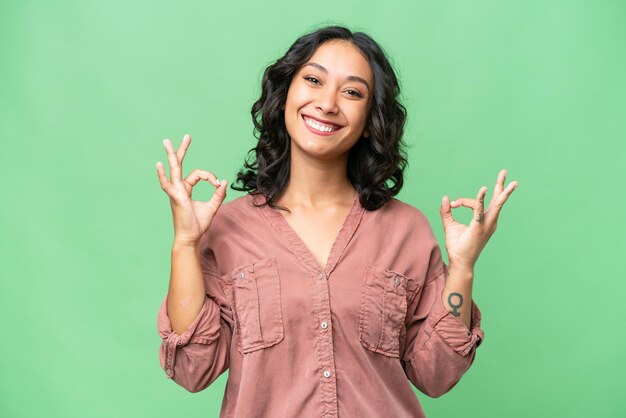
(257,305)
(383,310)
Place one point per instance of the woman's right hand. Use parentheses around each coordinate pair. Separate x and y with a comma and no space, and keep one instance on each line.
(191,217)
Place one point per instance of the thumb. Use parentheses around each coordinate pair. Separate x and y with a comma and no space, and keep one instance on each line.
(446,213)
(219,194)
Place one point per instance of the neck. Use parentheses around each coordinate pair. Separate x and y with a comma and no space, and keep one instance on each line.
(317,183)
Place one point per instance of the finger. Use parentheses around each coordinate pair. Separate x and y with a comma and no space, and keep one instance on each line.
(175,167)
(504,196)
(182,149)
(499,186)
(165,184)
(446,213)
(196,175)
(479,206)
(463,202)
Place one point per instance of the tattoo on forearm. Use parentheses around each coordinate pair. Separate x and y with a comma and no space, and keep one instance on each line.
(455,307)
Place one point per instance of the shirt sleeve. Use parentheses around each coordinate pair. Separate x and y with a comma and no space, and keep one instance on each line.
(198,356)
(440,348)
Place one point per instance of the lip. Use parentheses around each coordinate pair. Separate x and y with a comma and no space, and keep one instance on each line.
(321,133)
(327,122)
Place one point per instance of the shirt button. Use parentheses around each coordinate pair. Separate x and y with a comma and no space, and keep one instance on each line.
(397,281)
(320,276)
(324,324)
(326,373)
(241,275)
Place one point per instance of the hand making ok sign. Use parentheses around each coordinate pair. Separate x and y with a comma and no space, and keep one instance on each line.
(465,242)
(191,217)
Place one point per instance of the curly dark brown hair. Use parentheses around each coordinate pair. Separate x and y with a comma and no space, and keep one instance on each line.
(372,160)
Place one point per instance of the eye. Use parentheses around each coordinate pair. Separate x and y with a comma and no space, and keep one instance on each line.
(311,78)
(356,93)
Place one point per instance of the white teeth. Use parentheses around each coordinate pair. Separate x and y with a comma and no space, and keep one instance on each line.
(319,126)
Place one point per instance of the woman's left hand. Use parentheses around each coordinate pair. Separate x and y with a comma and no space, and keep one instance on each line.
(464,243)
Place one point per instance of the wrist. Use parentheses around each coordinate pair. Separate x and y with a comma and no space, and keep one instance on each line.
(461,271)
(180,244)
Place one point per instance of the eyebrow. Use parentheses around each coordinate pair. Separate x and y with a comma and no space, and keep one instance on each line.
(350,77)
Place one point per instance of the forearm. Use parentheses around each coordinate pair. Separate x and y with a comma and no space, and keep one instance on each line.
(186,291)
(457,293)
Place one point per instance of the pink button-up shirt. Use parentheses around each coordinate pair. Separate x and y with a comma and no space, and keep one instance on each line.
(300,340)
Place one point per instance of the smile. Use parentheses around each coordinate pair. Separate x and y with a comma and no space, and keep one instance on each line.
(320,128)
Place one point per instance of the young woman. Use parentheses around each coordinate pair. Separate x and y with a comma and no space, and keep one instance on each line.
(321,293)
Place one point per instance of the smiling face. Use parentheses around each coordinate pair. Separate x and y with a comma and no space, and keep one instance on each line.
(328,100)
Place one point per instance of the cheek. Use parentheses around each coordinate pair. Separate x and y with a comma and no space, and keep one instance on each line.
(296,93)
(359,116)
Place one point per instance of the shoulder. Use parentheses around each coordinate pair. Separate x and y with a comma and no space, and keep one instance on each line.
(237,214)
(407,223)
(409,232)
(234,219)
(406,214)
(238,207)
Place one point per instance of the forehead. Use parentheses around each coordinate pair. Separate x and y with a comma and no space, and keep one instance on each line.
(342,58)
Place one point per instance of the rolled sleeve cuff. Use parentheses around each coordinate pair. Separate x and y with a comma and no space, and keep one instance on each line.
(172,340)
(454,331)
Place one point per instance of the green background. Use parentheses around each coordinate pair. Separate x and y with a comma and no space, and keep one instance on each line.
(88,91)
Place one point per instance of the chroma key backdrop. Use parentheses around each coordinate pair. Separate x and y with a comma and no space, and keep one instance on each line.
(89,90)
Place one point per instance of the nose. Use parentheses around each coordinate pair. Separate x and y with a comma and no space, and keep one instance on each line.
(327,100)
